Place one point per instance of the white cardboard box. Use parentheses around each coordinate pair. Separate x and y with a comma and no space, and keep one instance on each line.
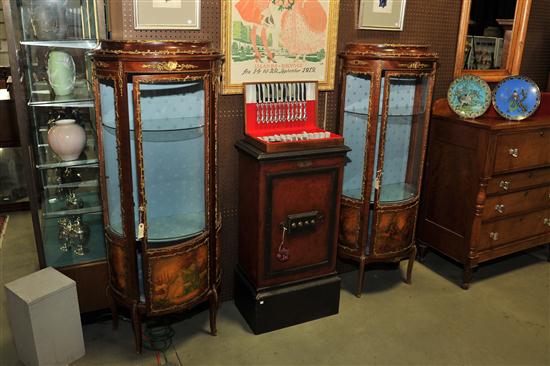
(45,318)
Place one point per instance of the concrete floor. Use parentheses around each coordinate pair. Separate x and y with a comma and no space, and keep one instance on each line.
(504,319)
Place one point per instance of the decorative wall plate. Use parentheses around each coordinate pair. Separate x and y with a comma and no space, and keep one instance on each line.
(469,96)
(516,97)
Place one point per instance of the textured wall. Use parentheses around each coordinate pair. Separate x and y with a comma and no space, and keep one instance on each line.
(433,22)
(536,55)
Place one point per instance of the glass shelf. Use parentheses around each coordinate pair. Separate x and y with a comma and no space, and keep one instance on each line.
(95,245)
(85,184)
(42,96)
(391,193)
(163,229)
(47,159)
(397,193)
(55,204)
(87,44)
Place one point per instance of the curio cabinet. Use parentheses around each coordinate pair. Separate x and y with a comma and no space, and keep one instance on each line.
(48,41)
(156,126)
(386,92)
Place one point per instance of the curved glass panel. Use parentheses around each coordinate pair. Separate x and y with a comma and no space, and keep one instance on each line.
(356,115)
(172,120)
(108,130)
(404,138)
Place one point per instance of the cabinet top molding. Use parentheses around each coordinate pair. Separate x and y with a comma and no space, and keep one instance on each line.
(388,51)
(153,48)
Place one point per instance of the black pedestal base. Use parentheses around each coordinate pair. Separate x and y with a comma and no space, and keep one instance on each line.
(279,307)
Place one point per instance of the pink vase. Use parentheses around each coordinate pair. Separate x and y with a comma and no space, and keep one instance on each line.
(67,139)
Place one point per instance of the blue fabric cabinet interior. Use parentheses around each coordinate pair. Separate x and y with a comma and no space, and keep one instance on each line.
(172,118)
(399,135)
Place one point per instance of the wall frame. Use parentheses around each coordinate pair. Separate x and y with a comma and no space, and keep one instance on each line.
(279,40)
(167,14)
(385,15)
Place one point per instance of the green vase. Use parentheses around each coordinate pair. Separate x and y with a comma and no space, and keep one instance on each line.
(61,72)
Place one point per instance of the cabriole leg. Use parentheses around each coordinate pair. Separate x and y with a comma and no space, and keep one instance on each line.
(412,256)
(213,304)
(360,278)
(112,306)
(136,324)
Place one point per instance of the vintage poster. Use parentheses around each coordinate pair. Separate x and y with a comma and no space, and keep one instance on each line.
(279,40)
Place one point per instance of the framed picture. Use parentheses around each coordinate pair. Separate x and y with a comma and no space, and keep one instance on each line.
(279,40)
(381,14)
(167,14)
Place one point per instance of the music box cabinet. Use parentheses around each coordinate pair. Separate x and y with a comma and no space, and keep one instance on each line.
(289,205)
(486,190)
(157,137)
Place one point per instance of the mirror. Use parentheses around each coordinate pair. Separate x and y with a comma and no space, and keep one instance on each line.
(491,38)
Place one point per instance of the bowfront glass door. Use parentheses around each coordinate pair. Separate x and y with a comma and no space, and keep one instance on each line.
(109,126)
(355,130)
(400,139)
(170,130)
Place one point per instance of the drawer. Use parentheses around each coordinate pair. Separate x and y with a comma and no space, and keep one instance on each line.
(518,181)
(512,203)
(522,150)
(496,233)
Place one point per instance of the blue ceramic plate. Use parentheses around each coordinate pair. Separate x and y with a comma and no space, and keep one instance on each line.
(516,97)
(469,96)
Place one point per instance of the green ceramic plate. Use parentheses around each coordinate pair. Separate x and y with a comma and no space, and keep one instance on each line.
(469,96)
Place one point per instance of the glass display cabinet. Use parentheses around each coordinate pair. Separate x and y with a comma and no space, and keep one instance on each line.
(48,41)
(156,124)
(386,92)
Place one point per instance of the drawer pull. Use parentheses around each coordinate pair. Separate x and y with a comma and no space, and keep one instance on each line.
(504,184)
(499,208)
(547,221)
(514,152)
(493,235)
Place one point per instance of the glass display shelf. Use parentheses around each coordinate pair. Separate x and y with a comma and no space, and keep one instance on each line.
(168,228)
(43,96)
(84,184)
(55,203)
(65,175)
(94,246)
(397,141)
(390,193)
(47,159)
(86,44)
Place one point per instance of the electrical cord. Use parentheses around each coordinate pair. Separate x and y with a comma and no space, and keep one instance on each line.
(159,339)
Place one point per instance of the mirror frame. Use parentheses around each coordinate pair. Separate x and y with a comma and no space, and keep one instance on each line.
(515,53)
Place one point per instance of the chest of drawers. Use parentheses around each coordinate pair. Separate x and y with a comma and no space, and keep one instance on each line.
(486,190)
